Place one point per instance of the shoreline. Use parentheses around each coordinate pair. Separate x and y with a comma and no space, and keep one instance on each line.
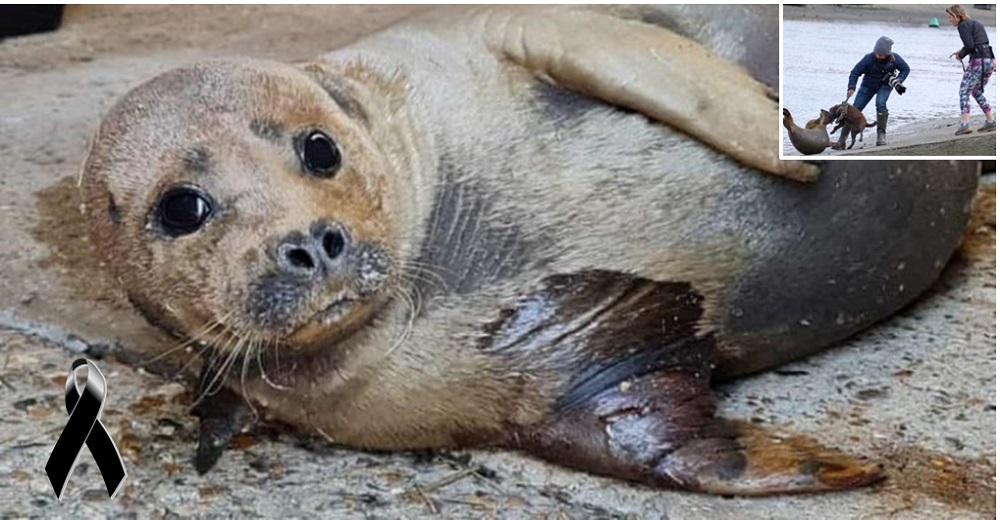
(903,14)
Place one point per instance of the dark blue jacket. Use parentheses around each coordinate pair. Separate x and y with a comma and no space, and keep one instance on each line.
(875,71)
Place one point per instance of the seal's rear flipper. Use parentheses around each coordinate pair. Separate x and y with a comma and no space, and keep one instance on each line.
(656,72)
(660,429)
(786,119)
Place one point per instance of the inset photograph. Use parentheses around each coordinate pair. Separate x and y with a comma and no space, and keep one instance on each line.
(888,80)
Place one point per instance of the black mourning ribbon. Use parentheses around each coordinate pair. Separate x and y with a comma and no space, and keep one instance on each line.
(84,407)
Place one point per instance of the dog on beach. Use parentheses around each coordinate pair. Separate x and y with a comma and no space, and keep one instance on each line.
(848,115)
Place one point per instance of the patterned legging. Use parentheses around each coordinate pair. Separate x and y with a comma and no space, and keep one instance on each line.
(976,76)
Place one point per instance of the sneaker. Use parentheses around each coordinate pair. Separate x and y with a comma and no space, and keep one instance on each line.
(964,128)
(990,126)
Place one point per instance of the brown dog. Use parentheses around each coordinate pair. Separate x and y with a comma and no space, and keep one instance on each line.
(849,115)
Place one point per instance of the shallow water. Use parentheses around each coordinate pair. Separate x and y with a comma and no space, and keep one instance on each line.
(818,58)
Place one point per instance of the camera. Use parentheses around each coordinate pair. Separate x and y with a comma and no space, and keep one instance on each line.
(894,82)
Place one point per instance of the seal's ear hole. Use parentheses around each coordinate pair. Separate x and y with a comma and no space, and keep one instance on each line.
(320,156)
(183,210)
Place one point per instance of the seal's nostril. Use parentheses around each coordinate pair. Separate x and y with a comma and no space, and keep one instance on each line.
(333,243)
(300,258)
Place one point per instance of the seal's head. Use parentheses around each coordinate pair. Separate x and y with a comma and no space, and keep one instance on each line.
(243,201)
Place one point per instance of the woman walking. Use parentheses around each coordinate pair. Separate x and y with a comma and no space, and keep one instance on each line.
(976,45)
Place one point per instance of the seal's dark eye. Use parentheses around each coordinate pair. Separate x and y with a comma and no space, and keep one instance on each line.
(319,154)
(183,211)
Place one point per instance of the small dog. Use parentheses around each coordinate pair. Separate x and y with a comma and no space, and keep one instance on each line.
(847,114)
(825,118)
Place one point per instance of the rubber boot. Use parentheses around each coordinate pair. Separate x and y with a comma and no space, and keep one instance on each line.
(883,120)
(842,142)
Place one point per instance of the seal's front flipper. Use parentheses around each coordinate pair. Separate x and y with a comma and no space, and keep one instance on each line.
(656,72)
(221,415)
(631,360)
(660,429)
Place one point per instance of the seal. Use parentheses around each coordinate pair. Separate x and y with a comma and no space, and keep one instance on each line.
(518,227)
(812,139)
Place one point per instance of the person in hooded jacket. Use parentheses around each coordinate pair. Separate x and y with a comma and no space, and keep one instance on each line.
(879,69)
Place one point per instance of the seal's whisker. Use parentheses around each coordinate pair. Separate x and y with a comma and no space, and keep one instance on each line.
(199,341)
(413,308)
(234,355)
(243,370)
(415,273)
(415,283)
(202,340)
(209,353)
(198,355)
(263,373)
(253,345)
(218,377)
(195,338)
(418,271)
(260,363)
(213,344)
(427,266)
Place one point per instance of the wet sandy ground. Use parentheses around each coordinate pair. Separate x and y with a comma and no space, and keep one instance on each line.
(934,138)
(917,392)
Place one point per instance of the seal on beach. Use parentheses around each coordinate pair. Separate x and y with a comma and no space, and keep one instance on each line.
(812,139)
(512,227)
